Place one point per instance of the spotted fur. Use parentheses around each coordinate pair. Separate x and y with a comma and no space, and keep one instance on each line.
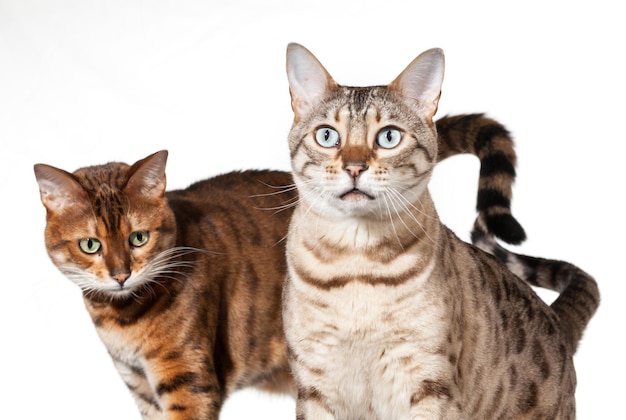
(387,314)
(578,293)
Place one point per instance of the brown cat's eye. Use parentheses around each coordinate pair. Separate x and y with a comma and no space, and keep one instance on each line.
(139,238)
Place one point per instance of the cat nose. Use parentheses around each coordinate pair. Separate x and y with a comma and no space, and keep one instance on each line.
(121,277)
(354,169)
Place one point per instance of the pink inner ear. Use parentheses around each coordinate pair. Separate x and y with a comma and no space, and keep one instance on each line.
(148,176)
(308,79)
(420,83)
(58,189)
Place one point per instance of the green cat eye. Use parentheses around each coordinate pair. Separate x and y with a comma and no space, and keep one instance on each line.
(389,137)
(139,238)
(89,245)
(327,137)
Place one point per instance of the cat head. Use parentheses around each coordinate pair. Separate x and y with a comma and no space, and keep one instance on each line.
(106,224)
(362,151)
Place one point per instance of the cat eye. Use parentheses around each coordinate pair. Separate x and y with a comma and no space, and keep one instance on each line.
(327,137)
(139,238)
(389,137)
(89,245)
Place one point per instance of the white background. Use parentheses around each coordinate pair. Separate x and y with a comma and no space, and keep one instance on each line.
(85,82)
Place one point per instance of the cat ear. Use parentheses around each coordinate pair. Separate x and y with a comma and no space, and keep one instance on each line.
(58,189)
(308,79)
(420,83)
(148,176)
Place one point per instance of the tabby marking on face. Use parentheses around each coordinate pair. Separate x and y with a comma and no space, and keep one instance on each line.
(387,314)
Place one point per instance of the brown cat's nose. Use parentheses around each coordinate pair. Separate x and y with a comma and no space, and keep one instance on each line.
(121,277)
(354,169)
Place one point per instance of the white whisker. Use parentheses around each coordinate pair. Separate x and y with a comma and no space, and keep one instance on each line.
(388,199)
(407,206)
(312,197)
(398,192)
(167,265)
(283,189)
(287,204)
(292,202)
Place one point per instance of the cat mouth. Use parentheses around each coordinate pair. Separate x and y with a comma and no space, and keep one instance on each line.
(355,194)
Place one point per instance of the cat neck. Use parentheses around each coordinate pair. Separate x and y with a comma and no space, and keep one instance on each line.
(418,222)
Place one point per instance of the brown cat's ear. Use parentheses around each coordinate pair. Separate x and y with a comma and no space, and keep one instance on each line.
(147,176)
(420,83)
(308,79)
(58,189)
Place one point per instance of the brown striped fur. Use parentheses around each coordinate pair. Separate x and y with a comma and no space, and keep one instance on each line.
(193,314)
(387,314)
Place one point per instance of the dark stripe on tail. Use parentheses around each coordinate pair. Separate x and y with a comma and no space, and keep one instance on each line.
(491,142)
(579,296)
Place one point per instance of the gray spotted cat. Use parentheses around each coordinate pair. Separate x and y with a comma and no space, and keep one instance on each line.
(387,314)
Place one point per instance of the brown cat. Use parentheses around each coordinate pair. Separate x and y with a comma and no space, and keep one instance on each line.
(387,314)
(184,287)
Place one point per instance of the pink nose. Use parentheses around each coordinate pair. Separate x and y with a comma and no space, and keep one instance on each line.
(354,169)
(121,277)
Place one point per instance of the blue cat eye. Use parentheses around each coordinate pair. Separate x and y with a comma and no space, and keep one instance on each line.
(327,137)
(139,238)
(89,245)
(388,137)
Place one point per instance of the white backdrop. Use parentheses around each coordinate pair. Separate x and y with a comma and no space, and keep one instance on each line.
(85,82)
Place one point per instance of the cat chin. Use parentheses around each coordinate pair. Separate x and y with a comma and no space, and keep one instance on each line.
(117,295)
(357,205)
(113,292)
(110,293)
(356,196)
(107,295)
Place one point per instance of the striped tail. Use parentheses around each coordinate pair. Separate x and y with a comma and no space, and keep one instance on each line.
(491,142)
(579,296)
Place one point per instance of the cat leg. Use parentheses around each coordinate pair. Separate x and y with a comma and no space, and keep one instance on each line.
(149,412)
(187,396)
(311,406)
(435,410)
(434,400)
(186,387)
(173,388)
(135,379)
(312,411)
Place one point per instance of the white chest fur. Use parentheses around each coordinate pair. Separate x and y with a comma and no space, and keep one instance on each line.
(365,347)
